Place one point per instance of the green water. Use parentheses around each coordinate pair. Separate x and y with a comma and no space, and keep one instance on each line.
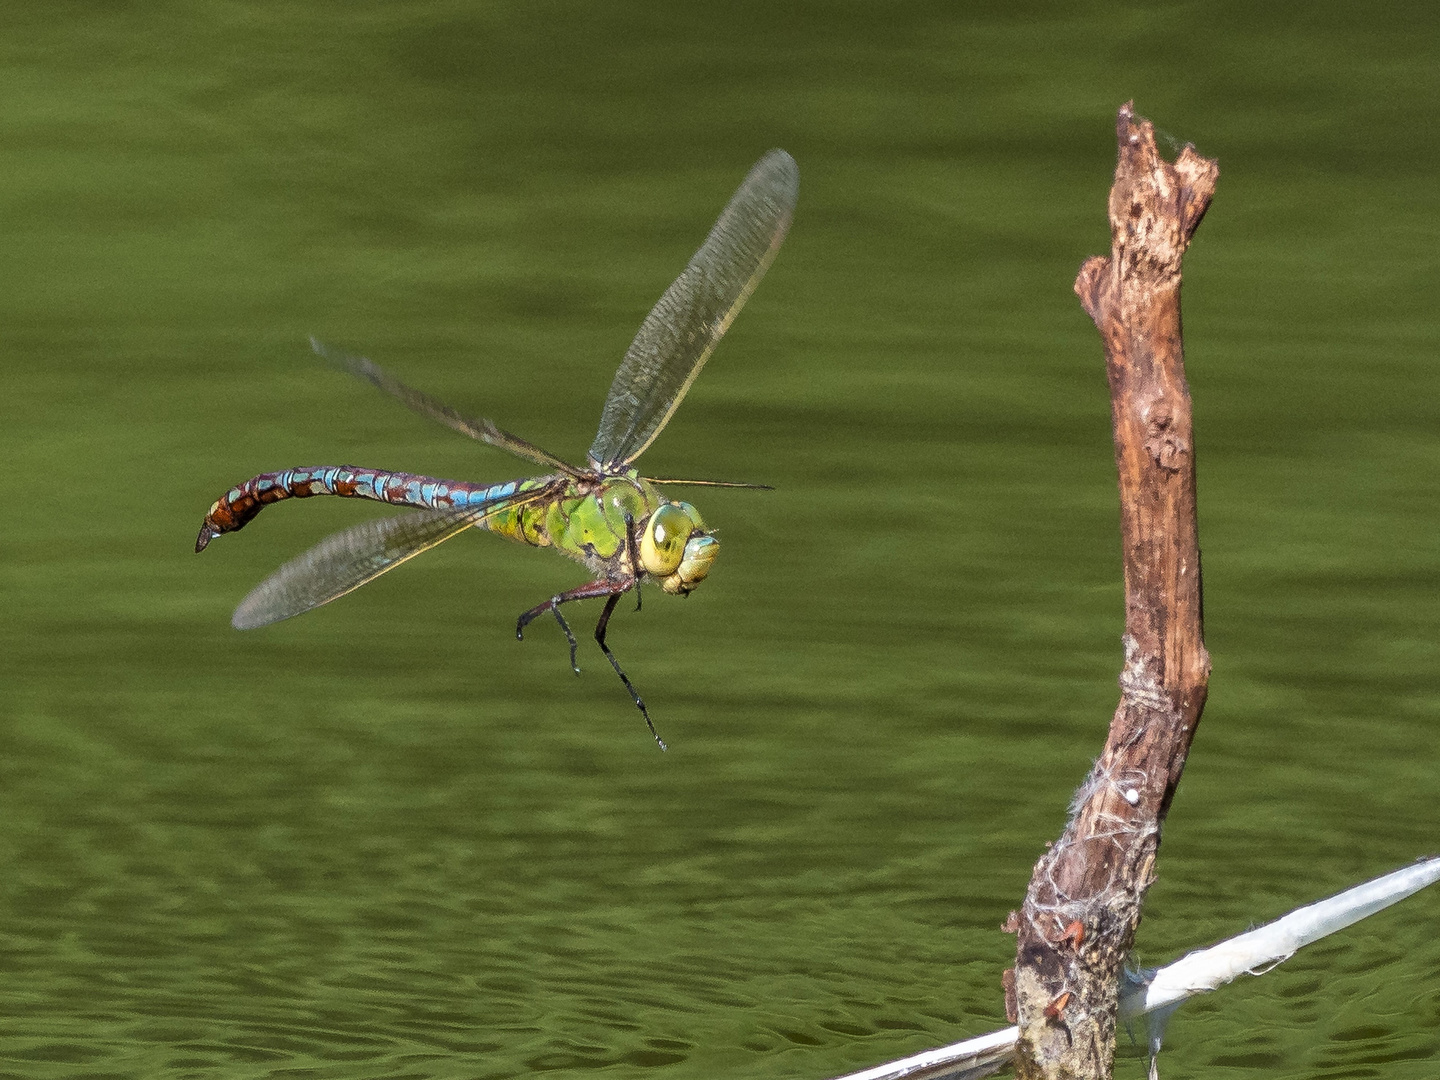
(386,840)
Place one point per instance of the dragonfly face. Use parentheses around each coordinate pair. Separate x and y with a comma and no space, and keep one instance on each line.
(700,552)
(676,548)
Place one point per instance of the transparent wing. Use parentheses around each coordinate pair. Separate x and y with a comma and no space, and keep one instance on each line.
(343,562)
(425,405)
(679,334)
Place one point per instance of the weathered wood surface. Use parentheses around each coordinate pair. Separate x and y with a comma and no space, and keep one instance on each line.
(1083,905)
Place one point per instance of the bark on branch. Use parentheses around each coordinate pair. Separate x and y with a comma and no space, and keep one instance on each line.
(1083,905)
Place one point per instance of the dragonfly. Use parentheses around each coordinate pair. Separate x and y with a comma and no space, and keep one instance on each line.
(605,515)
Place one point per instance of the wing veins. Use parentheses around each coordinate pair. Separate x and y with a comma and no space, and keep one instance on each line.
(420,402)
(684,326)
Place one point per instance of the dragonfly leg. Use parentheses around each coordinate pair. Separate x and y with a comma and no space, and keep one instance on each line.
(634,548)
(553,606)
(600,639)
(583,592)
(569,635)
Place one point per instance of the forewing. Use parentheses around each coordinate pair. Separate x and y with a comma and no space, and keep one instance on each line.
(343,562)
(425,405)
(680,332)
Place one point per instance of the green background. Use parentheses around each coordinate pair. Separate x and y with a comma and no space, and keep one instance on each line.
(386,840)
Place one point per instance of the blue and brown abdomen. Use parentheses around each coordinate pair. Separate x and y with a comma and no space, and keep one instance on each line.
(233,510)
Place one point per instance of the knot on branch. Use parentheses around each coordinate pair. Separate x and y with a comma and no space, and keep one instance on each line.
(1166,446)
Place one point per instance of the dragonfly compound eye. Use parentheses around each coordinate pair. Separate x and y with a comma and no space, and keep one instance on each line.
(693,515)
(663,545)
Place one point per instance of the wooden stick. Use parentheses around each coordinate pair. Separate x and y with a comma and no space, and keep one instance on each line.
(1083,905)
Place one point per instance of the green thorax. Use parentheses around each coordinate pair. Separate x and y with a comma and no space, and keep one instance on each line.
(584,519)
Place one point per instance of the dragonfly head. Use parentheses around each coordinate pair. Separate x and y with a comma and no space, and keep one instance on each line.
(676,548)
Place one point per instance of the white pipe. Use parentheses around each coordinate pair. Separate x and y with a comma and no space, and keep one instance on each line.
(987,1052)
(1262,948)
